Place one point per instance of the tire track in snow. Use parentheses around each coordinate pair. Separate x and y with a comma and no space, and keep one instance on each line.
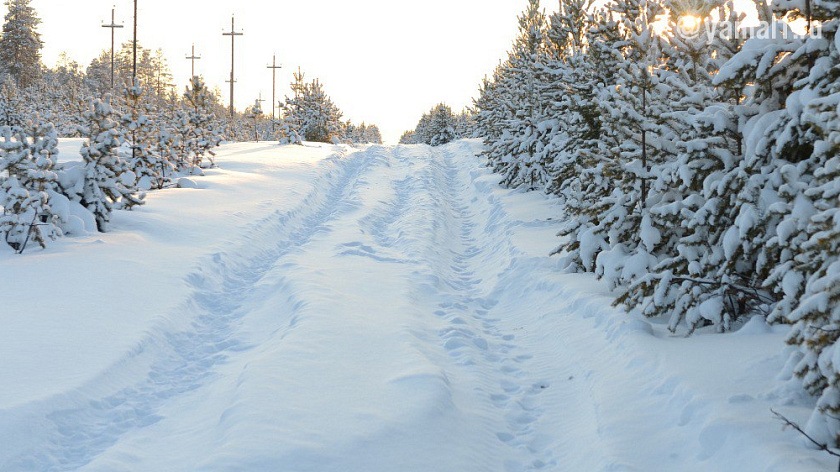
(174,362)
(475,333)
(429,219)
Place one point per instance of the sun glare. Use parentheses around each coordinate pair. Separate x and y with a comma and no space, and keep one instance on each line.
(689,22)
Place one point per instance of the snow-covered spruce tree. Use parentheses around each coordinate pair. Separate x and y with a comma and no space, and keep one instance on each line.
(204,135)
(20,44)
(27,159)
(109,182)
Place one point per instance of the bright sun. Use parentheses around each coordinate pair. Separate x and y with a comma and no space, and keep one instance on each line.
(689,22)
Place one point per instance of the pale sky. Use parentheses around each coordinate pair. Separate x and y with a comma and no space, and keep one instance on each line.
(381,61)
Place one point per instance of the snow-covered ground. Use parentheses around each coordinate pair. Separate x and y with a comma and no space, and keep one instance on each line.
(324,309)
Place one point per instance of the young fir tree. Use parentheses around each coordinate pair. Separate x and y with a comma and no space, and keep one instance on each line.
(27,158)
(20,44)
(109,183)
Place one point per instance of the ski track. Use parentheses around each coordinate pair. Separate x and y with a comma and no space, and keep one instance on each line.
(183,361)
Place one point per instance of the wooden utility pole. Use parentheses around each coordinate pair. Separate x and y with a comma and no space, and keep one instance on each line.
(192,57)
(233,34)
(273,68)
(134,51)
(113,26)
(644,137)
(134,82)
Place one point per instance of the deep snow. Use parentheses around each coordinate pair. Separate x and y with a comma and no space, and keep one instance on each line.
(321,308)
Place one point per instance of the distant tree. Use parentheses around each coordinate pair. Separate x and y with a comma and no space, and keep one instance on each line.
(152,70)
(312,113)
(20,45)
(438,126)
(407,138)
(206,134)
(254,112)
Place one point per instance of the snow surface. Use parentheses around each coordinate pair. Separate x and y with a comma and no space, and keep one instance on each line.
(321,308)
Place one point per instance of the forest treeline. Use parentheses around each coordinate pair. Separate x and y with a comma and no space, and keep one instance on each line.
(140,133)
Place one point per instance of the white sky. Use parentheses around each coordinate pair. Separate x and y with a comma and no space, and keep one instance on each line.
(381,61)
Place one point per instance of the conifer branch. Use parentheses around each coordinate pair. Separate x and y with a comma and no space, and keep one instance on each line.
(813,441)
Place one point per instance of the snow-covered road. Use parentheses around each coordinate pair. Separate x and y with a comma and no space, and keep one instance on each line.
(390,309)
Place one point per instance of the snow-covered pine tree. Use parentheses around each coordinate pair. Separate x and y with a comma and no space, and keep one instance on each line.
(287,133)
(573,85)
(441,125)
(492,111)
(204,135)
(153,170)
(624,242)
(705,128)
(371,134)
(27,158)
(816,313)
(66,95)
(254,112)
(516,154)
(464,125)
(109,182)
(802,219)
(11,103)
(408,138)
(312,113)
(743,204)
(582,172)
(20,43)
